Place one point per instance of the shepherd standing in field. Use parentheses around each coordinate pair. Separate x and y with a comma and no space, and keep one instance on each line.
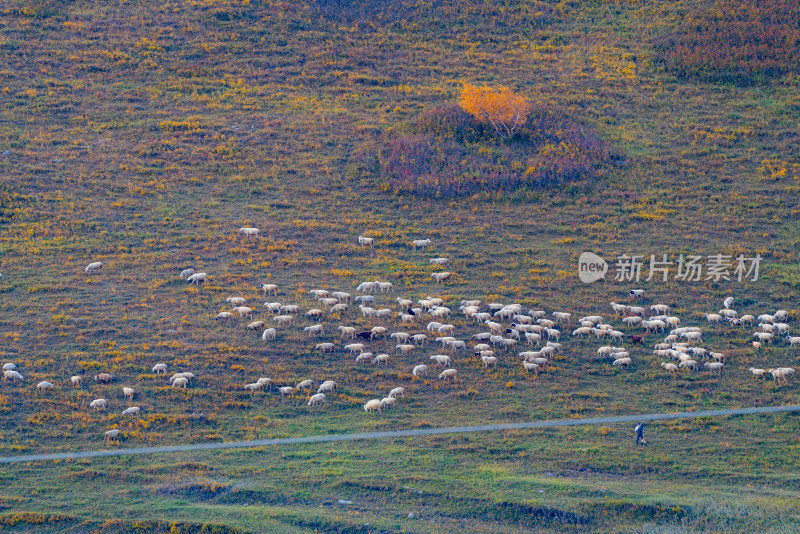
(640,434)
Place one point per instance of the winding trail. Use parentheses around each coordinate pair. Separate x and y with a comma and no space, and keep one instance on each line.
(397,434)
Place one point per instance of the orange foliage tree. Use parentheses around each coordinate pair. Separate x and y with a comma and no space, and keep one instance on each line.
(499,106)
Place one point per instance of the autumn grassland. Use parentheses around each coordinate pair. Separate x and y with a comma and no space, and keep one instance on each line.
(145,134)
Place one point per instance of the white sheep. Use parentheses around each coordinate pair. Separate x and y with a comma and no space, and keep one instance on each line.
(373,405)
(531,367)
(489,360)
(688,364)
(761,373)
(98,404)
(397,391)
(133,410)
(160,368)
(186,273)
(283,319)
(94,266)
(305,384)
(224,316)
(316,399)
(314,330)
(671,367)
(764,337)
(9,367)
(364,357)
(111,435)
(420,370)
(286,390)
(448,373)
(128,393)
(440,261)
(256,325)
(420,243)
(419,339)
(622,361)
(793,340)
(253,387)
(329,386)
(250,232)
(440,277)
(236,301)
(44,385)
(638,293)
(441,360)
(381,358)
(353,348)
(243,311)
(12,376)
(364,241)
(180,382)
(338,308)
(714,366)
(268,333)
(266,381)
(405,349)
(76,381)
(268,289)
(197,278)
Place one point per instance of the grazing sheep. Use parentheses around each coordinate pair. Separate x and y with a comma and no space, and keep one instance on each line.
(348,332)
(714,366)
(688,364)
(757,345)
(388,402)
(92,267)
(76,381)
(778,374)
(405,349)
(12,376)
(440,261)
(128,393)
(420,243)
(250,232)
(286,390)
(133,410)
(448,373)
(671,367)
(283,319)
(111,435)
(160,368)
(338,308)
(489,360)
(289,309)
(253,387)
(622,362)
(363,241)
(638,293)
(266,381)
(381,358)
(98,404)
(9,367)
(243,311)
(186,273)
(420,370)
(373,405)
(103,377)
(764,337)
(180,382)
(305,384)
(793,341)
(397,391)
(440,277)
(353,348)
(329,386)
(197,278)
(325,347)
(364,357)
(314,330)
(224,316)
(781,315)
(761,373)
(531,367)
(42,386)
(441,360)
(379,331)
(316,399)
(268,289)
(268,333)
(236,301)
(256,325)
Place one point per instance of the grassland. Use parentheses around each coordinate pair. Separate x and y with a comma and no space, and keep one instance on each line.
(145,134)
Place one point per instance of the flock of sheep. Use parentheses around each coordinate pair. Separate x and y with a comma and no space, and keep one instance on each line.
(416,327)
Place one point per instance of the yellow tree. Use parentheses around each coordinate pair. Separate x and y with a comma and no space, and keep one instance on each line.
(504,110)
